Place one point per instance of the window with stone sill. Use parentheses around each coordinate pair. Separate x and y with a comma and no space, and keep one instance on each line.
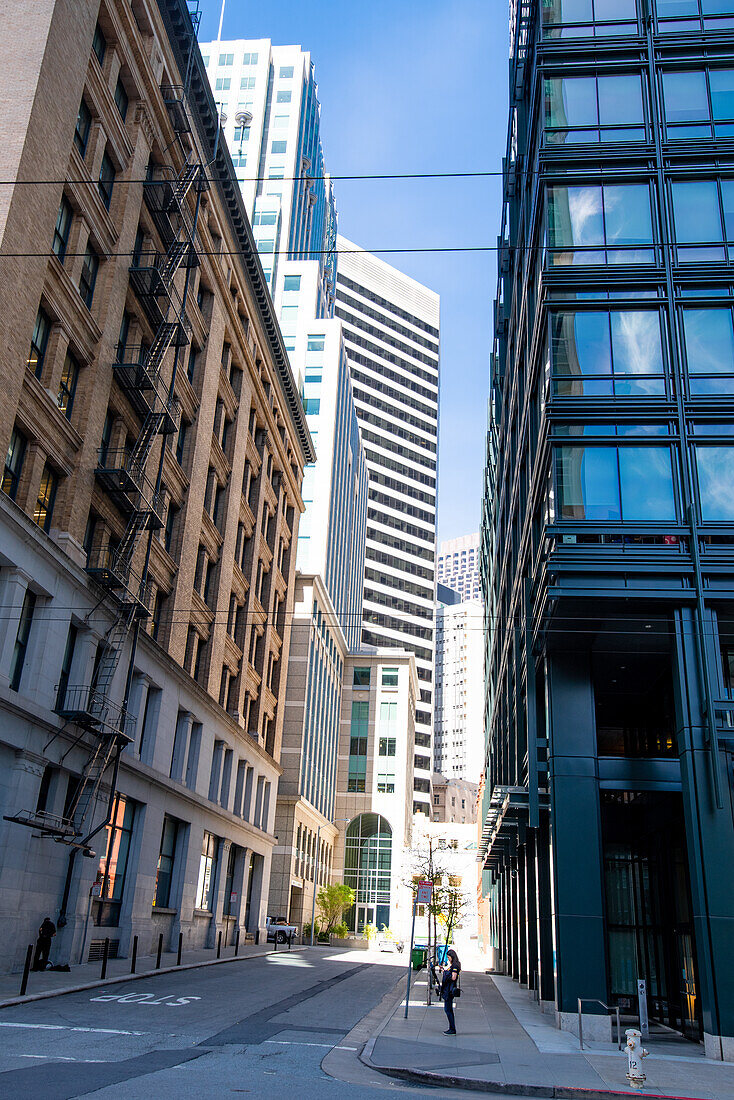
(121,99)
(39,343)
(62,229)
(99,44)
(68,384)
(44,507)
(88,277)
(106,180)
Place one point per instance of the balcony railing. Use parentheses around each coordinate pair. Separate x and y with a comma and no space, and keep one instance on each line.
(124,478)
(93,710)
(137,370)
(113,571)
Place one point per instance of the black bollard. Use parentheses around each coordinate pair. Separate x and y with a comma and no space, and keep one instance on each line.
(180,946)
(135,955)
(160,951)
(105,953)
(219,945)
(26,969)
(237,943)
(275,941)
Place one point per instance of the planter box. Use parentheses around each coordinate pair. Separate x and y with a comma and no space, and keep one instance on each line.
(358,942)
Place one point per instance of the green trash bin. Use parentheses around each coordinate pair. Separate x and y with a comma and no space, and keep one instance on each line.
(419,957)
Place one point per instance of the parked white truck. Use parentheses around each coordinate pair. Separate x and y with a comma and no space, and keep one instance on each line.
(279,931)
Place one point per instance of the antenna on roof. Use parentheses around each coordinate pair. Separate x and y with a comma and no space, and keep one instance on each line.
(221,21)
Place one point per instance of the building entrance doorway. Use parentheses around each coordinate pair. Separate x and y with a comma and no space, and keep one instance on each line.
(365,915)
(295,908)
(367,869)
(648,908)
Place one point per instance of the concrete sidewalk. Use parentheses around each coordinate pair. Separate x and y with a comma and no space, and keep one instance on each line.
(54,983)
(505,1044)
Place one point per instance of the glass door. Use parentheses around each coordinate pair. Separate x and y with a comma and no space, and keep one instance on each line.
(365,915)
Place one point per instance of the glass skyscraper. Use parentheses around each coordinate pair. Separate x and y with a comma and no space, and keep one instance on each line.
(608,535)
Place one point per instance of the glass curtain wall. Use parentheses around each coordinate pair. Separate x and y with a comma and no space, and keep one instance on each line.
(367,869)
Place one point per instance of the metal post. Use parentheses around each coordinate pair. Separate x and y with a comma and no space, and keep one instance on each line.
(581,1033)
(26,969)
(619,1030)
(105,955)
(642,1007)
(410,955)
(313,900)
(275,939)
(219,943)
(135,955)
(160,952)
(180,948)
(237,943)
(86,923)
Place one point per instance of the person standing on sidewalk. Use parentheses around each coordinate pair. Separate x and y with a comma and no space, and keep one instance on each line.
(449,988)
(46,933)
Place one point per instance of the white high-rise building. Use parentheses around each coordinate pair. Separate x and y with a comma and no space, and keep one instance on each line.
(391,329)
(270,113)
(458,566)
(271,116)
(458,740)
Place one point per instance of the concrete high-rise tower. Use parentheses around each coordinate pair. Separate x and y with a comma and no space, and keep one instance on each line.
(391,328)
(458,566)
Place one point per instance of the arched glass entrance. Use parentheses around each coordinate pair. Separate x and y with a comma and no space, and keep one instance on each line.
(367,862)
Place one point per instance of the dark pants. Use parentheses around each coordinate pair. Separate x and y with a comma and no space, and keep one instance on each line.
(43,946)
(448,1007)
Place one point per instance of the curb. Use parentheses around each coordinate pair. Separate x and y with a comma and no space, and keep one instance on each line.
(498,1088)
(554,1092)
(119,979)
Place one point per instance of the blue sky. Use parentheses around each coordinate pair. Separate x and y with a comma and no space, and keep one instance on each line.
(414,86)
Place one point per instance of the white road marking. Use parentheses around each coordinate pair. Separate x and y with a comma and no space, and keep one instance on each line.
(146,999)
(64,1027)
(288,1043)
(61,1058)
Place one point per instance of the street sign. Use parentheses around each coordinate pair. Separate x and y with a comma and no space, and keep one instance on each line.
(425,889)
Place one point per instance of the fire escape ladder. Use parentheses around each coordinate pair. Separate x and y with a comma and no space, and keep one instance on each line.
(125,477)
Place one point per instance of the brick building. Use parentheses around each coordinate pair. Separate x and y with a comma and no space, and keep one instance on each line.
(155,447)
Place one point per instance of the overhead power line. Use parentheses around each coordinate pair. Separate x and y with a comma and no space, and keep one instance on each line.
(280,179)
(311,253)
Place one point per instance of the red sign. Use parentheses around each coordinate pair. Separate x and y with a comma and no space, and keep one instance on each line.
(425,889)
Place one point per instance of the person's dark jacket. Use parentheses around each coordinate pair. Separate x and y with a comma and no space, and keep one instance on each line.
(47,930)
(449,983)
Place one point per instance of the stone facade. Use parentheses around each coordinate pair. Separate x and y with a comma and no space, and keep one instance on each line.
(193,823)
(374,787)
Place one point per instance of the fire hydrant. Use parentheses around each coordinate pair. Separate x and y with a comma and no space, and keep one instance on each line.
(635,1053)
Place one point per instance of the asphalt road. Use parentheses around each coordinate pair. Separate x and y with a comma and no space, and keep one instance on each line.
(260,1027)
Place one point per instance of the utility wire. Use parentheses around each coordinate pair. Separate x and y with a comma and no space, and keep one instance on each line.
(269,179)
(306,255)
